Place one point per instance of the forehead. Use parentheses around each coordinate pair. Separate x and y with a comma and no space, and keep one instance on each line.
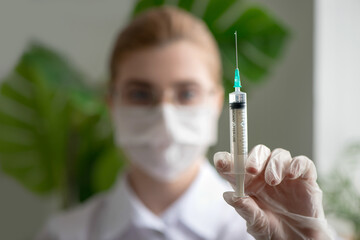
(166,65)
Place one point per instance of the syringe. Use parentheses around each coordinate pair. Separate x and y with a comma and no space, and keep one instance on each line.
(238,130)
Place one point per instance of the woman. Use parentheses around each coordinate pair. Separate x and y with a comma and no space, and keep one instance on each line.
(165,99)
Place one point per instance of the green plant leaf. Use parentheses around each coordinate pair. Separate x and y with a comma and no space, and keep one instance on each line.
(261,37)
(142,5)
(53,128)
(26,150)
(106,170)
(215,9)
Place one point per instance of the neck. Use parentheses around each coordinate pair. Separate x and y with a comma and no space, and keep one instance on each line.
(158,195)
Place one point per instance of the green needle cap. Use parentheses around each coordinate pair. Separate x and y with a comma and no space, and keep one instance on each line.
(237,78)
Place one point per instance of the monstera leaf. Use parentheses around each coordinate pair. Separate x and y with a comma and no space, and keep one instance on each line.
(55,132)
(261,38)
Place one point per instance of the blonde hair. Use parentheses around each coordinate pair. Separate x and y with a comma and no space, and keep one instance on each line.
(163,25)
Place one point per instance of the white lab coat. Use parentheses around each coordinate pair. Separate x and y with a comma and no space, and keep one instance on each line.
(200,213)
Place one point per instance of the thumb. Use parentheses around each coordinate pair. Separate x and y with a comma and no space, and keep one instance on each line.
(256,219)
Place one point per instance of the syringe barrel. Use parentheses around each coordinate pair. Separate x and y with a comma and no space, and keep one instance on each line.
(238,137)
(238,123)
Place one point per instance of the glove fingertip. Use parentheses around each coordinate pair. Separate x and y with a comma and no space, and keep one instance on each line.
(228,197)
(272,178)
(222,160)
(234,200)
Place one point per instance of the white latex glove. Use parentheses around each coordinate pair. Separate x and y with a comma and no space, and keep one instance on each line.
(284,201)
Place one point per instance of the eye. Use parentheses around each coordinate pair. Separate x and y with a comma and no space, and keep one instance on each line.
(139,96)
(188,96)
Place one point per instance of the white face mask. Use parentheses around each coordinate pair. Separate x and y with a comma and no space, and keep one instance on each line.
(165,141)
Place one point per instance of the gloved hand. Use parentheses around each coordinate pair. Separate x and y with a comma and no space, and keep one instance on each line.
(284,201)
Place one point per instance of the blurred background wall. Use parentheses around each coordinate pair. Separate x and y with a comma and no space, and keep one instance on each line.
(337,80)
(336,108)
(281,109)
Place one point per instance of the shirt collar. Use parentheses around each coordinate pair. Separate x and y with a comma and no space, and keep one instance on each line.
(122,208)
(197,209)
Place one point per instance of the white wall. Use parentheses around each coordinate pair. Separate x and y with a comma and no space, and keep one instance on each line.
(336,88)
(337,79)
(82,29)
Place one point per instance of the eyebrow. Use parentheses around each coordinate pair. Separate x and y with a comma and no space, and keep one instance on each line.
(137,82)
(186,83)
